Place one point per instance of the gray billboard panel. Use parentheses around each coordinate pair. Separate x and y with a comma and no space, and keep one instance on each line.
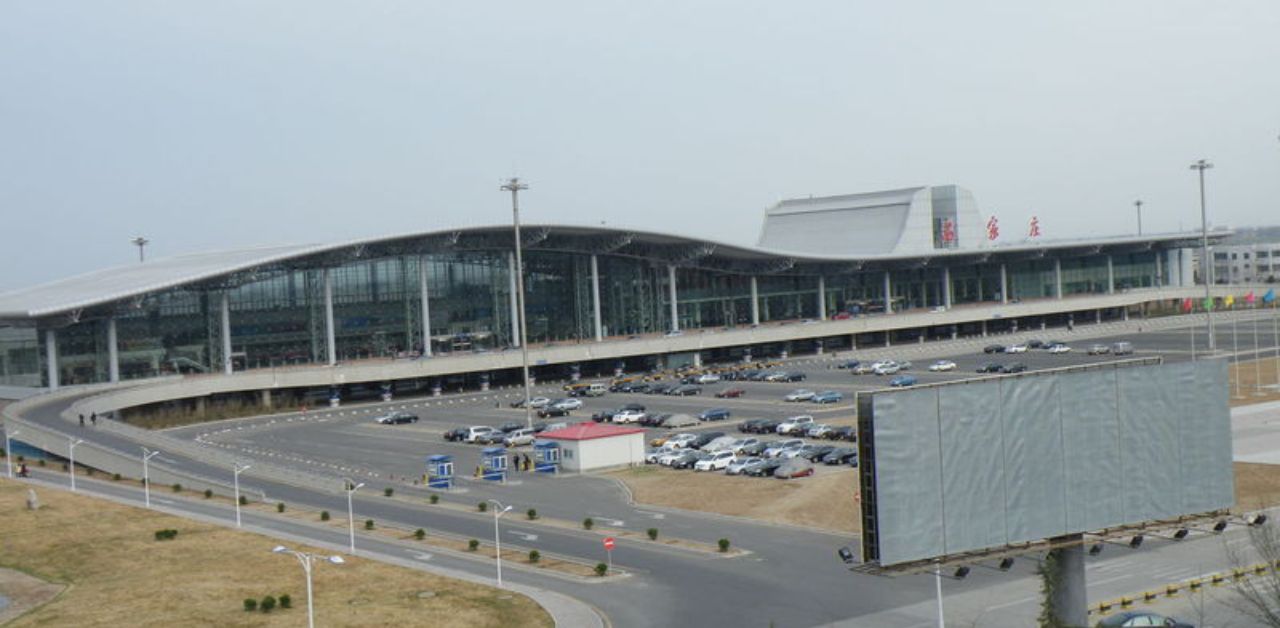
(986,463)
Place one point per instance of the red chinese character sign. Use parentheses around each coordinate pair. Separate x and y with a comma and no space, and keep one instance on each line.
(993,228)
(948,231)
(608,543)
(1033,228)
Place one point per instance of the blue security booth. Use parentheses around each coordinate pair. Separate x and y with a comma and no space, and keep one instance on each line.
(335,397)
(546,457)
(440,471)
(493,464)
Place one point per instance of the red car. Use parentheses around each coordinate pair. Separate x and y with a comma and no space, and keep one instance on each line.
(731,393)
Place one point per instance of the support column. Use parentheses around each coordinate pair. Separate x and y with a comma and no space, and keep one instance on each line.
(113,352)
(888,296)
(226,333)
(330,343)
(1111,276)
(1066,565)
(946,287)
(755,302)
(51,357)
(1097,317)
(822,298)
(671,296)
(984,329)
(595,298)
(266,398)
(426,306)
(1004,283)
(1057,278)
(515,307)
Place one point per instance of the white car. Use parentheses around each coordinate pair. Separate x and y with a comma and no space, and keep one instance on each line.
(863,369)
(520,437)
(1059,349)
(707,378)
(742,443)
(724,443)
(628,416)
(777,448)
(795,424)
(717,462)
(1018,348)
(653,455)
(479,432)
(887,367)
(799,395)
(669,457)
(566,404)
(736,466)
(942,365)
(681,441)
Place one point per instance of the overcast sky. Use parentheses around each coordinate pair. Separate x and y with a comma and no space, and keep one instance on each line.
(232,123)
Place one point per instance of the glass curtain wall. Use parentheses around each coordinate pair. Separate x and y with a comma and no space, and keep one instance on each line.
(1031,279)
(20,357)
(277,321)
(1135,270)
(711,299)
(633,296)
(558,297)
(1084,275)
(917,288)
(975,283)
(856,293)
(785,297)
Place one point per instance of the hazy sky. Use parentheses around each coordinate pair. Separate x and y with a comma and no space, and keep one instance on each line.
(222,124)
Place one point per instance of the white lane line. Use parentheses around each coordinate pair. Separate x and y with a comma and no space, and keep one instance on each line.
(1013,603)
(1108,580)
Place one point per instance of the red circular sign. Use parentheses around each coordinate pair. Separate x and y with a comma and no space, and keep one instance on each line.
(608,543)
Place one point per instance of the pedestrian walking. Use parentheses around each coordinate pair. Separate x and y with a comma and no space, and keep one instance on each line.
(93,418)
(527,463)
(515,462)
(81,420)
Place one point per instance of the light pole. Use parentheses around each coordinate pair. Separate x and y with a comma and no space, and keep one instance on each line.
(305,559)
(1201,166)
(514,185)
(8,448)
(351,487)
(71,454)
(498,511)
(141,243)
(238,469)
(1138,204)
(147,455)
(937,578)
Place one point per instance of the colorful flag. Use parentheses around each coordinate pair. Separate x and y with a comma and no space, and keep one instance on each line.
(1229,301)
(1249,298)
(1269,296)
(1187,304)
(1208,303)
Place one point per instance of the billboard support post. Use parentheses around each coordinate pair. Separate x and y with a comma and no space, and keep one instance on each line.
(1068,603)
(937,578)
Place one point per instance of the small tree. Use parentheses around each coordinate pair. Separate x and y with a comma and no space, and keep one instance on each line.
(532,514)
(534,556)
(388,491)
(368,524)
(473,545)
(244,501)
(286,601)
(177,488)
(250,605)
(601,569)
(115,477)
(280,507)
(435,499)
(653,534)
(588,523)
(208,493)
(419,534)
(724,545)
(1258,594)
(268,604)
(324,515)
(483,506)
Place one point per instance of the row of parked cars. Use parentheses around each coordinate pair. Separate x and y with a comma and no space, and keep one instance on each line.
(1052,346)
(820,397)
(802,425)
(716,451)
(512,434)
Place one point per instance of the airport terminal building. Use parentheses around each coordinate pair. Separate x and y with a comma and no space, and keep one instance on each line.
(852,268)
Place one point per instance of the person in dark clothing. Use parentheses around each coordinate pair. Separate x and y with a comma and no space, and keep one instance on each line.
(82,420)
(515,462)
(527,463)
(93,418)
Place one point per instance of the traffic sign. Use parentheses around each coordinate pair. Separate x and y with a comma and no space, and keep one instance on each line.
(608,543)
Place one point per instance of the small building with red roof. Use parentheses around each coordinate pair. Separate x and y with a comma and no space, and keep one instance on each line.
(590,446)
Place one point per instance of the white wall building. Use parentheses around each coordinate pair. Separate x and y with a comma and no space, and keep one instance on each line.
(591,446)
(1246,263)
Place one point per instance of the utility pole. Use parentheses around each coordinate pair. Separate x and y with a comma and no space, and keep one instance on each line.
(1201,166)
(141,243)
(1138,204)
(514,185)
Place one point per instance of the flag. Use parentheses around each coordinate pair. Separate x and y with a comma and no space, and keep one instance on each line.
(1187,304)
(1229,301)
(1269,296)
(1249,298)
(1208,303)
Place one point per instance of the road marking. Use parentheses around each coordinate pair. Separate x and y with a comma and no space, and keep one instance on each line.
(655,515)
(1013,603)
(1108,580)
(524,535)
(422,556)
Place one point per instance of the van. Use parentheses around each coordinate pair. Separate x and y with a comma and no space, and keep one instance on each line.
(596,390)
(1122,348)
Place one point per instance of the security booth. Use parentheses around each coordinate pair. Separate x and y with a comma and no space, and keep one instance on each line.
(493,464)
(546,457)
(440,471)
(335,397)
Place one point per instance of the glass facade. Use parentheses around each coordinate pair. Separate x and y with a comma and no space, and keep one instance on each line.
(278,316)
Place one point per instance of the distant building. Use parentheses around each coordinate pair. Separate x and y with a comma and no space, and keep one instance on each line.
(592,446)
(1246,263)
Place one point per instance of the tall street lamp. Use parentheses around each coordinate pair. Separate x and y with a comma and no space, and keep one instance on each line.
(514,185)
(147,455)
(351,487)
(305,559)
(1201,166)
(141,243)
(8,448)
(1138,205)
(71,454)
(238,469)
(498,511)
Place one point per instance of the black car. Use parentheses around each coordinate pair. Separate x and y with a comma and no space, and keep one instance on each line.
(755,449)
(684,390)
(1035,343)
(848,433)
(551,411)
(840,455)
(848,364)
(659,389)
(766,468)
(604,415)
(794,376)
(511,426)
(455,434)
(705,438)
(540,427)
(1016,367)
(991,367)
(993,349)
(653,420)
(749,425)
(817,453)
(714,414)
(748,375)
(768,426)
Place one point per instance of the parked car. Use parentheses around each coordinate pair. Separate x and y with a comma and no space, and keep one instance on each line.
(793,376)
(990,367)
(723,443)
(768,426)
(1122,348)
(749,426)
(688,459)
(848,433)
(653,420)
(511,426)
(685,390)
(1035,343)
(1125,619)
(681,441)
(1016,348)
(455,434)
(397,418)
(764,468)
(828,396)
(714,414)
(1016,367)
(799,394)
(778,447)
(604,415)
(567,404)
(640,387)
(942,365)
(670,457)
(815,453)
(795,424)
(737,465)
(552,410)
(819,430)
(1059,349)
(704,438)
(902,381)
(1099,349)
(887,367)
(628,416)
(660,389)
(794,468)
(519,437)
(840,455)
(707,378)
(863,369)
(716,462)
(993,349)
(481,433)
(731,393)
(535,403)
(740,444)
(679,420)
(848,364)
(756,449)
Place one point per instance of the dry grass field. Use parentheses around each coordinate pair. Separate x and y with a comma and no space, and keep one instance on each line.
(1250,373)
(117,574)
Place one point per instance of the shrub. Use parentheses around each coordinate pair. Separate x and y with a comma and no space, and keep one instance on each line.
(388,491)
(534,556)
(324,515)
(280,507)
(208,493)
(434,499)
(368,524)
(653,534)
(601,569)
(267,604)
(42,462)
(244,501)
(532,514)
(166,535)
(250,604)
(116,477)
(588,523)
(483,506)
(473,545)
(177,488)
(419,534)
(142,481)
(88,471)
(286,601)
(724,545)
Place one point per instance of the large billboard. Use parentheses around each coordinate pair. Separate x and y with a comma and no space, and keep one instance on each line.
(993,462)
